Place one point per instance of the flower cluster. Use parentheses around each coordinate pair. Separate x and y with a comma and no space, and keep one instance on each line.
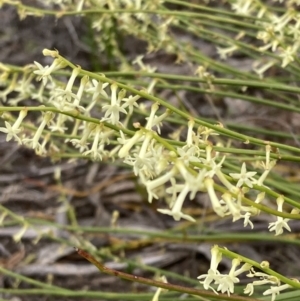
(224,283)
(279,32)
(181,171)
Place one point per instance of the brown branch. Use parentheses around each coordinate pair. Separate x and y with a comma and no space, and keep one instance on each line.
(150,282)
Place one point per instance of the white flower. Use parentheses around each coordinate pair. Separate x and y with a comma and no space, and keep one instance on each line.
(264,279)
(213,274)
(288,55)
(243,7)
(176,209)
(62,98)
(227,282)
(151,118)
(11,87)
(281,223)
(157,122)
(247,220)
(13,130)
(130,102)
(18,236)
(52,53)
(195,183)
(275,290)
(44,73)
(82,144)
(97,90)
(190,133)
(143,164)
(225,52)
(160,155)
(39,94)
(59,125)
(95,154)
(112,111)
(192,184)
(151,185)
(34,142)
(142,66)
(188,153)
(268,168)
(244,177)
(128,144)
(233,206)
(84,80)
(214,167)
(218,208)
(261,67)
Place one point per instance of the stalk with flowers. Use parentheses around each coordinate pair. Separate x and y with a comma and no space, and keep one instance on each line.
(104,118)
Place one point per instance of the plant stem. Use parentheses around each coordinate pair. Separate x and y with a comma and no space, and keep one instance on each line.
(168,286)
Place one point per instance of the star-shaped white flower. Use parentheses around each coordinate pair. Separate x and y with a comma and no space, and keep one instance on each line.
(13,130)
(244,177)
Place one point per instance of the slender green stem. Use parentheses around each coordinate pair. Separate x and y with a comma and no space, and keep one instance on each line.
(33,282)
(268,271)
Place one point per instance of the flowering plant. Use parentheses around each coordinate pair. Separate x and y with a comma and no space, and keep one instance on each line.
(98,117)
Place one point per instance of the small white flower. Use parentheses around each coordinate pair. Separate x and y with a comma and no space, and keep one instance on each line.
(225,52)
(288,55)
(234,207)
(84,80)
(39,95)
(190,133)
(130,102)
(151,118)
(97,90)
(247,220)
(281,223)
(176,209)
(34,142)
(157,122)
(112,111)
(62,98)
(189,154)
(276,290)
(128,144)
(213,275)
(218,208)
(261,67)
(142,165)
(94,152)
(10,88)
(18,236)
(142,66)
(44,73)
(244,177)
(152,185)
(13,130)
(227,282)
(243,7)
(82,144)
(264,279)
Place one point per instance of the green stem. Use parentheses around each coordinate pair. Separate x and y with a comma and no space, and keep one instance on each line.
(268,271)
